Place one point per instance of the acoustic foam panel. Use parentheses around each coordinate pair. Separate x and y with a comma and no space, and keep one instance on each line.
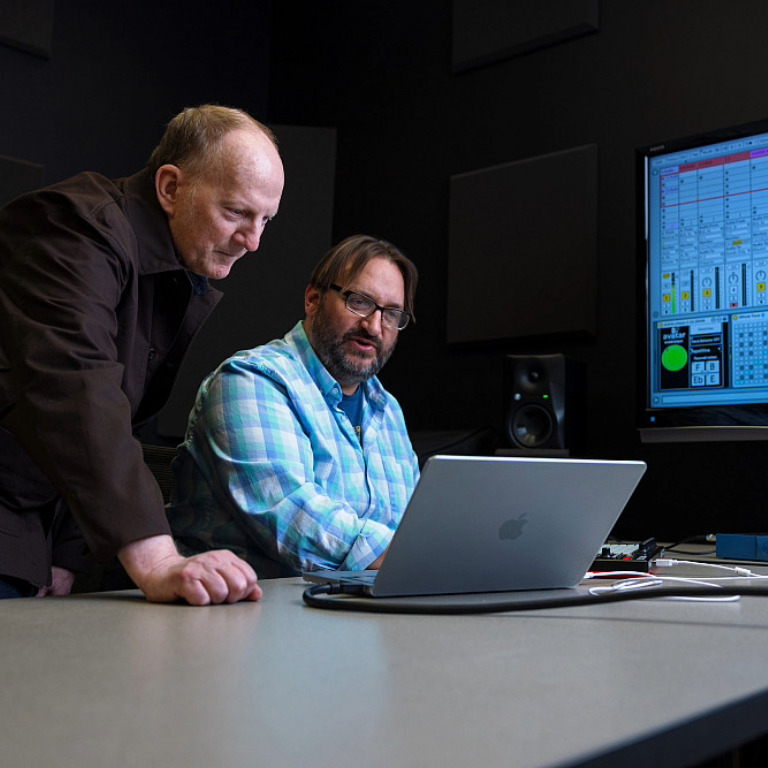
(522,249)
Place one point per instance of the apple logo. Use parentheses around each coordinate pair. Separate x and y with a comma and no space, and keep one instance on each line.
(512,528)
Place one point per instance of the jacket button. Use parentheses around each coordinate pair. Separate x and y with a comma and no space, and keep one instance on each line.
(152,353)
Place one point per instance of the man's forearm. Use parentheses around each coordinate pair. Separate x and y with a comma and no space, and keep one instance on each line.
(141,557)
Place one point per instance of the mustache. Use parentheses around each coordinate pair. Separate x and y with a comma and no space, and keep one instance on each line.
(364,335)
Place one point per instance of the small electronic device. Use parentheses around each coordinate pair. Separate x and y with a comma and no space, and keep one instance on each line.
(742,546)
(636,556)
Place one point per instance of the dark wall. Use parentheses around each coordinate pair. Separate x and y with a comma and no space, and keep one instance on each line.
(119,71)
(380,72)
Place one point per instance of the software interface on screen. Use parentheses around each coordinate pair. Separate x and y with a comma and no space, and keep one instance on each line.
(707,228)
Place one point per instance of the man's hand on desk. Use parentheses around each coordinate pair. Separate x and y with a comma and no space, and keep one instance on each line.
(164,575)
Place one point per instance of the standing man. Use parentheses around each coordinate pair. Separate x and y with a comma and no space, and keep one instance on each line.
(103,286)
(296,458)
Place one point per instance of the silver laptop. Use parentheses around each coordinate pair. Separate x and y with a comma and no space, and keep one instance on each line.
(498,524)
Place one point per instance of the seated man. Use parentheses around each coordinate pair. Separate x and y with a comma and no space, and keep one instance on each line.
(295,457)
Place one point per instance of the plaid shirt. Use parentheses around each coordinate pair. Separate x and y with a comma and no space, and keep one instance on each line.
(272,469)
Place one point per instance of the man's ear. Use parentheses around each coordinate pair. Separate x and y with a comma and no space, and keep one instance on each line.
(311,300)
(167,181)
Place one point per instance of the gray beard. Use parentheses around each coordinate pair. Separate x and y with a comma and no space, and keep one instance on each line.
(345,368)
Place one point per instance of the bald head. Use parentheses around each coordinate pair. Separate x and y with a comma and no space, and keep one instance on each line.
(196,135)
(219,202)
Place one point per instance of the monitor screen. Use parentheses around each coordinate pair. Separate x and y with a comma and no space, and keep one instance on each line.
(703,263)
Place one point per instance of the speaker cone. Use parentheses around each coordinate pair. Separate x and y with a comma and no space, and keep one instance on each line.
(531,426)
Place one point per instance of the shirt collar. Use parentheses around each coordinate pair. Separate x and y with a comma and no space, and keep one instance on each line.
(373,392)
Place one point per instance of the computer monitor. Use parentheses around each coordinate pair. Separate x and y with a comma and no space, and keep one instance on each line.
(703,286)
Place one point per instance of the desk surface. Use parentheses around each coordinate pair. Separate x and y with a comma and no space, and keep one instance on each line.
(111,680)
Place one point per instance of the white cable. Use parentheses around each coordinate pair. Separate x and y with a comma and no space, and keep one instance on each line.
(665,562)
(702,583)
(658,581)
(627,584)
(631,580)
(615,575)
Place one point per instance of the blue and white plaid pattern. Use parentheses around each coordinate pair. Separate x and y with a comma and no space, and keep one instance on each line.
(272,468)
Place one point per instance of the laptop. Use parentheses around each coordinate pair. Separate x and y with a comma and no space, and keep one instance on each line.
(499,524)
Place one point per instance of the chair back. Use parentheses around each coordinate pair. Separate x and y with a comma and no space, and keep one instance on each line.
(158,458)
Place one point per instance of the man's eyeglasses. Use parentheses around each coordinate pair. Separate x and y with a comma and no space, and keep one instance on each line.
(364,306)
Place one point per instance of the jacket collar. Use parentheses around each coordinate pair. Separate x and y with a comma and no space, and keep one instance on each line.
(157,252)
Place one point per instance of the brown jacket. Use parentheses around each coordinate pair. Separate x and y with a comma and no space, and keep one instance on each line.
(96,315)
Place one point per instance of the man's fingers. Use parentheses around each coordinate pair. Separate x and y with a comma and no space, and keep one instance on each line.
(164,575)
(217,577)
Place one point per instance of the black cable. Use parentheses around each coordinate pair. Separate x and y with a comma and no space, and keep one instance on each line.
(494,603)
(692,552)
(696,539)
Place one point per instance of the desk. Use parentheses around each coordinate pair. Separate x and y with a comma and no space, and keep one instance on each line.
(91,681)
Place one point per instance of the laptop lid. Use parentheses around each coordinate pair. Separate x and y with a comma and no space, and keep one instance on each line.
(498,523)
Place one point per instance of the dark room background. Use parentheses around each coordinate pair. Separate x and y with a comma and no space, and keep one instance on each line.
(389,121)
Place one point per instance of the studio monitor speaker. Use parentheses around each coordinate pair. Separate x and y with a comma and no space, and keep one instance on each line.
(545,405)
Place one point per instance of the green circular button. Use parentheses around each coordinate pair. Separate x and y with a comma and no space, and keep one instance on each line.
(674,357)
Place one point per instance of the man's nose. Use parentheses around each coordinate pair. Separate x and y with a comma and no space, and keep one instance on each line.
(372,323)
(249,237)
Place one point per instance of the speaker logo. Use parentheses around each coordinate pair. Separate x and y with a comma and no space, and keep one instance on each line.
(512,528)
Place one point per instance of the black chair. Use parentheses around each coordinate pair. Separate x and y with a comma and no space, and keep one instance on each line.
(158,458)
(481,441)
